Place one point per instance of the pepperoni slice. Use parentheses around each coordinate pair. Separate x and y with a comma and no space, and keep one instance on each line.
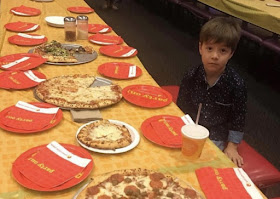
(156,176)
(156,184)
(93,190)
(190,193)
(104,197)
(116,179)
(131,190)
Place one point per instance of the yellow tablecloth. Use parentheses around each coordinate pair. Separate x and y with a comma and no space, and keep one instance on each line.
(145,155)
(252,11)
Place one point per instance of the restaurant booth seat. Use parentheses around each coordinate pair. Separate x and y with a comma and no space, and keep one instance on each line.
(260,170)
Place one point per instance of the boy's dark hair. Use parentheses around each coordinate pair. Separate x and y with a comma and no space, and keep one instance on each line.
(221,30)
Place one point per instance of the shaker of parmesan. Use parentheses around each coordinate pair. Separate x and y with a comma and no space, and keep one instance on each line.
(82,27)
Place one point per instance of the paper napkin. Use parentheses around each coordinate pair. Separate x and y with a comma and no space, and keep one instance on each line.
(51,166)
(226,183)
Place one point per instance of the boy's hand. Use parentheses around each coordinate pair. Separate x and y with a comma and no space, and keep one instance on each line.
(232,153)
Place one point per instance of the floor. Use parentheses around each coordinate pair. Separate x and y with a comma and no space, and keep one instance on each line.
(167,47)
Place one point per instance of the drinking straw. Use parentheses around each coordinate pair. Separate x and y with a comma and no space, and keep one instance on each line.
(198,113)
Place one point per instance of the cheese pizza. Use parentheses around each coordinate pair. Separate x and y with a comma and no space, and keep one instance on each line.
(74,91)
(103,134)
(138,184)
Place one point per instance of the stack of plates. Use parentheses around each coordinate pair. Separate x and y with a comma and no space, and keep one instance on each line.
(55,21)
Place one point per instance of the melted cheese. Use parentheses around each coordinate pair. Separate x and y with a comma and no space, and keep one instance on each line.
(106,132)
(85,95)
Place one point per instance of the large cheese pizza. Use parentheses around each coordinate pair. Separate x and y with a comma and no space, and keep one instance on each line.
(138,184)
(74,91)
(103,134)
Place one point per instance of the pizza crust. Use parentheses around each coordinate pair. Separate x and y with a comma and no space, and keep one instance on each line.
(74,91)
(138,183)
(103,134)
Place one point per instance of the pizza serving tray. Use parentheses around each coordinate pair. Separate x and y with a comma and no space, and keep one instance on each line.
(80,10)
(21,61)
(22,39)
(99,28)
(165,125)
(20,79)
(82,58)
(55,121)
(147,96)
(21,26)
(22,180)
(118,51)
(119,70)
(101,39)
(133,132)
(25,11)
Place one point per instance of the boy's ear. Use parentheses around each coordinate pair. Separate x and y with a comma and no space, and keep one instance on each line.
(231,54)
(200,47)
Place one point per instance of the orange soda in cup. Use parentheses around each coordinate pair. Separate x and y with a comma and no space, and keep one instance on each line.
(193,139)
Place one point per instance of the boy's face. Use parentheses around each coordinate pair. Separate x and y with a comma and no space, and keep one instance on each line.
(214,56)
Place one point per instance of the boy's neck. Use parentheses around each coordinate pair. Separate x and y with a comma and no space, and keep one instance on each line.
(212,78)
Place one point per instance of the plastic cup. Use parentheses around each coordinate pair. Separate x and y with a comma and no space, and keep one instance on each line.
(194,137)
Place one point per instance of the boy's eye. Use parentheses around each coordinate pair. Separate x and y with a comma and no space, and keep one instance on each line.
(209,48)
(223,50)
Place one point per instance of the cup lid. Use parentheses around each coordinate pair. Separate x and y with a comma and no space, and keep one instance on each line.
(195,131)
(82,17)
(69,19)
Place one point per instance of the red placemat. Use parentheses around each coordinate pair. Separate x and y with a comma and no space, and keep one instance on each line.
(51,124)
(21,61)
(79,151)
(99,28)
(51,166)
(25,11)
(105,39)
(230,183)
(27,117)
(22,39)
(21,26)
(119,70)
(118,51)
(147,96)
(20,79)
(164,130)
(80,10)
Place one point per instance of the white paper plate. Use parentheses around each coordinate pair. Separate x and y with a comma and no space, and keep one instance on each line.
(55,21)
(133,132)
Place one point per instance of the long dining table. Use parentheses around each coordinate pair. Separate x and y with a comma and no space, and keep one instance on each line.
(145,155)
(256,12)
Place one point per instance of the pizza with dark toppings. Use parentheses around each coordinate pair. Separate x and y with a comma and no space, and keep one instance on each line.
(56,52)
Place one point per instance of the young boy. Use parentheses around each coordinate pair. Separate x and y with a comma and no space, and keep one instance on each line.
(218,87)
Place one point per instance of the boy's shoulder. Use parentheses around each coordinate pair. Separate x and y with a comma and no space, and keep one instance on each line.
(233,77)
